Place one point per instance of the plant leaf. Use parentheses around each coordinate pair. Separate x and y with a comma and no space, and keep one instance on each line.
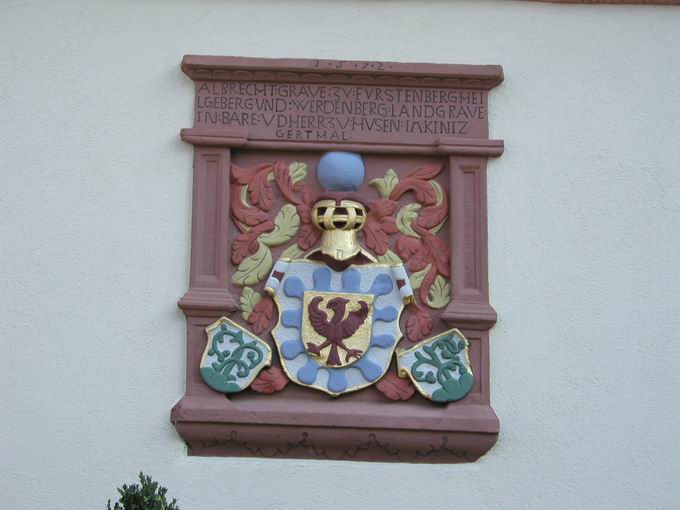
(438,190)
(418,323)
(285,182)
(395,388)
(260,191)
(254,268)
(386,184)
(292,252)
(437,250)
(417,277)
(427,171)
(270,381)
(309,235)
(249,299)
(379,223)
(406,216)
(261,316)
(389,257)
(440,293)
(244,195)
(249,216)
(408,246)
(286,224)
(297,171)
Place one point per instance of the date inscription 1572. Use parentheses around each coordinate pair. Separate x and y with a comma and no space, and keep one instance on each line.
(341,113)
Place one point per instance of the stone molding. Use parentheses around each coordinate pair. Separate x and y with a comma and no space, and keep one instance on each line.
(342,71)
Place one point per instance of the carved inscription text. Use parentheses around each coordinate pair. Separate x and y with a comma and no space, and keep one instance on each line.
(341,113)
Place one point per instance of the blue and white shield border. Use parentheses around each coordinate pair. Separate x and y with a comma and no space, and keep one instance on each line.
(304,369)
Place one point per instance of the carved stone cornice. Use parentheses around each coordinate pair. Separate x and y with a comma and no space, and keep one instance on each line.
(201,302)
(211,137)
(199,67)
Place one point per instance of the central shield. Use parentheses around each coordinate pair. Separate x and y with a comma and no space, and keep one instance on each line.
(336,327)
(337,330)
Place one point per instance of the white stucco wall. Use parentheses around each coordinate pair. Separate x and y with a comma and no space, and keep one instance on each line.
(584,229)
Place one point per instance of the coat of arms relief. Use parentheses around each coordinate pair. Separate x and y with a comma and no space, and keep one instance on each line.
(341,280)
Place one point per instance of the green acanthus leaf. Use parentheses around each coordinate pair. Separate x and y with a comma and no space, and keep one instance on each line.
(440,198)
(292,252)
(297,171)
(440,293)
(406,216)
(386,184)
(389,257)
(418,277)
(286,222)
(249,298)
(254,268)
(438,190)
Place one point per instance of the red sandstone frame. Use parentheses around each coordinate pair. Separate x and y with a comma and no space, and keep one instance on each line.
(298,422)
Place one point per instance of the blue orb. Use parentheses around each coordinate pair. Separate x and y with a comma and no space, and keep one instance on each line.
(340,171)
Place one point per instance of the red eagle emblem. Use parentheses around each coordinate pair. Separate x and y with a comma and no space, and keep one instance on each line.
(337,329)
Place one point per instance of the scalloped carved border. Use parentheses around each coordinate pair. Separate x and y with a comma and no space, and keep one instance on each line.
(372,446)
(382,445)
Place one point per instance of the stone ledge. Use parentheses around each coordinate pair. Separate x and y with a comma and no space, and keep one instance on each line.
(290,429)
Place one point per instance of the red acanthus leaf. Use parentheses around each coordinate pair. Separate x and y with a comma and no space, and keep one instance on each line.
(308,236)
(246,243)
(407,246)
(426,172)
(382,207)
(379,223)
(430,217)
(261,316)
(305,212)
(417,181)
(438,250)
(307,195)
(419,260)
(389,225)
(418,323)
(259,190)
(270,380)
(424,191)
(243,176)
(249,216)
(375,237)
(395,388)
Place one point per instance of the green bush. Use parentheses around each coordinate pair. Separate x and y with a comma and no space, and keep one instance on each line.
(145,496)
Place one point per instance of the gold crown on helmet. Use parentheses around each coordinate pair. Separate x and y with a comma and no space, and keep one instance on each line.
(330,215)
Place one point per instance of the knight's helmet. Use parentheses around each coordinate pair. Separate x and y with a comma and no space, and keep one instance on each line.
(339,213)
